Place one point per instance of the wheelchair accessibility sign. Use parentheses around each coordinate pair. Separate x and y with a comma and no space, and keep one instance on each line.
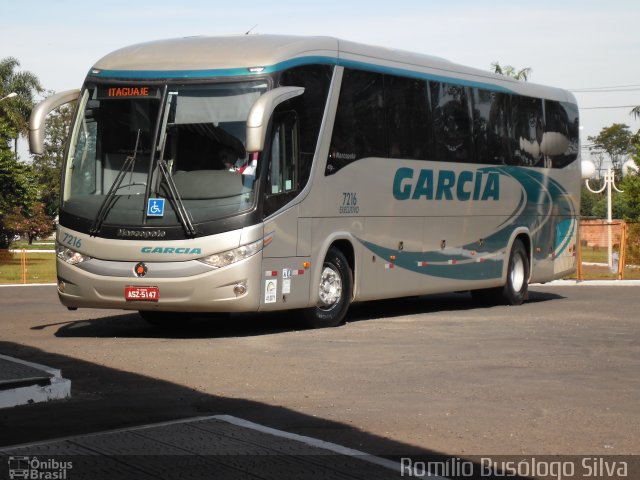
(155,207)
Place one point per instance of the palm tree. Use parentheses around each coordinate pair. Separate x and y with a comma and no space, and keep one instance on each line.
(16,110)
(510,71)
(635,111)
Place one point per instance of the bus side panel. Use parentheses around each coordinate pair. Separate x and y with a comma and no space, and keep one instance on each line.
(380,278)
(285,283)
(285,280)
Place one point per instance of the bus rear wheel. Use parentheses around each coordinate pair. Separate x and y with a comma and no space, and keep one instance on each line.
(334,292)
(516,289)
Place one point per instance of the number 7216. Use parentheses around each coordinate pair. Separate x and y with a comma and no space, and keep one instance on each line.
(72,241)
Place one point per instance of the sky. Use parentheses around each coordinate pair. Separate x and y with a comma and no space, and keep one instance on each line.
(571,44)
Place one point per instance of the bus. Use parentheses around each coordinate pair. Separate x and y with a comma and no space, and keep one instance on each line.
(258,173)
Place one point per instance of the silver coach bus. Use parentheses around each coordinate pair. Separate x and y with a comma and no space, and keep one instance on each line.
(259,173)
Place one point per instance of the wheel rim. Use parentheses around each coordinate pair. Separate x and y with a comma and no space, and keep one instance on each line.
(330,289)
(517,273)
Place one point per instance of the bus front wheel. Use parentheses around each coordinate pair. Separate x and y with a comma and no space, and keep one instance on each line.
(334,292)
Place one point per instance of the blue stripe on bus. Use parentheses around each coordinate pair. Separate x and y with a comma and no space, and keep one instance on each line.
(294,62)
(548,214)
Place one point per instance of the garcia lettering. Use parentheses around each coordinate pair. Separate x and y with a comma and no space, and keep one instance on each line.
(172,250)
(446,185)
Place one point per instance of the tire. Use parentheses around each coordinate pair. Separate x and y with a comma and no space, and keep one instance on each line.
(334,291)
(516,289)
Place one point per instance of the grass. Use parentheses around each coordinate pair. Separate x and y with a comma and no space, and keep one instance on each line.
(593,272)
(41,268)
(594,255)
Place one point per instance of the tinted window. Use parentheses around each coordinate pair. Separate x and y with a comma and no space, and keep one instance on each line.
(359,128)
(309,108)
(560,141)
(451,123)
(283,173)
(490,127)
(408,118)
(528,127)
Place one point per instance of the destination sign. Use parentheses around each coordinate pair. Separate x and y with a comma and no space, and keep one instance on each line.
(127,92)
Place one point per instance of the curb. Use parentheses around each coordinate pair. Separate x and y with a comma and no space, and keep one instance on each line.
(24,389)
(589,283)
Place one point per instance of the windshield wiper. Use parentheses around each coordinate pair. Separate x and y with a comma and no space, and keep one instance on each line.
(109,201)
(178,204)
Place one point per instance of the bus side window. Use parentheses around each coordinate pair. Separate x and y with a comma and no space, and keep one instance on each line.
(491,127)
(528,127)
(452,122)
(283,171)
(560,140)
(408,118)
(359,130)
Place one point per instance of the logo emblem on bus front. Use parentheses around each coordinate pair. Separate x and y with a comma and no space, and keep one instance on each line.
(140,269)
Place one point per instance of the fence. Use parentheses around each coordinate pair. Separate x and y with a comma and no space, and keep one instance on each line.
(593,257)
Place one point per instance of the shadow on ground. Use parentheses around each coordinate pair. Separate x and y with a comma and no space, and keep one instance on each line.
(108,399)
(131,325)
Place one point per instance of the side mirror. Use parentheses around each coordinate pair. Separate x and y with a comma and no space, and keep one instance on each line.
(39,114)
(261,112)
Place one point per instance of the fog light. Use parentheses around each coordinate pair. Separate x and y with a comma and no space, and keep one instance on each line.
(240,289)
(61,286)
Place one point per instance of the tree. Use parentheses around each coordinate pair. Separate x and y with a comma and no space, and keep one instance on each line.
(48,165)
(625,205)
(616,141)
(631,191)
(510,71)
(598,158)
(635,112)
(17,110)
(588,201)
(31,224)
(17,187)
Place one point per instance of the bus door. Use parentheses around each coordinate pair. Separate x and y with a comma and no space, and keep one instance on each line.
(286,282)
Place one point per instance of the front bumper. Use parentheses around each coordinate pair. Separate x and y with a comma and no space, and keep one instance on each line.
(182,286)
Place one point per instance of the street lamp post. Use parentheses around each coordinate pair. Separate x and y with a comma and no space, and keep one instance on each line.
(609,183)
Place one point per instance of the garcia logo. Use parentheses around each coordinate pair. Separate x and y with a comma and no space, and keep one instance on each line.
(446,185)
(170,250)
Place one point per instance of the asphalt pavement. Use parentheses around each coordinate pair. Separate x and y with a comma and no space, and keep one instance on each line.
(427,377)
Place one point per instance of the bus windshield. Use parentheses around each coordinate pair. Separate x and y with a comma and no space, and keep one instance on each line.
(109,170)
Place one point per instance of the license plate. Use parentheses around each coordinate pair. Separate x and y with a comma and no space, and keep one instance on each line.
(142,294)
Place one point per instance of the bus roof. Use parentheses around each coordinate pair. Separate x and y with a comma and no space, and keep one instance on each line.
(202,56)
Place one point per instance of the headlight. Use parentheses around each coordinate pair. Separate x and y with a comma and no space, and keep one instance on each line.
(70,256)
(223,259)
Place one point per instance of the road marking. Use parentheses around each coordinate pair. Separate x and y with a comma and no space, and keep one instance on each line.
(313,442)
(239,422)
(28,285)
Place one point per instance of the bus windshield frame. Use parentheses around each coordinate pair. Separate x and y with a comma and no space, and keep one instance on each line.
(124,137)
